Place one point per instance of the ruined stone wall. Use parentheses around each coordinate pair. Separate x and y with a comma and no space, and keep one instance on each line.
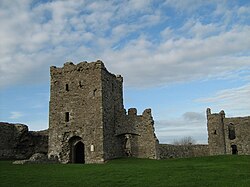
(216,136)
(140,129)
(8,134)
(76,112)
(182,151)
(228,135)
(17,142)
(240,137)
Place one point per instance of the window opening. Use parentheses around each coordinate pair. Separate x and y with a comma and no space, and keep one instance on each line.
(80,84)
(67,117)
(231,133)
(67,87)
(94,92)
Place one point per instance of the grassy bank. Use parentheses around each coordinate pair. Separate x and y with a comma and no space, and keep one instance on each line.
(205,171)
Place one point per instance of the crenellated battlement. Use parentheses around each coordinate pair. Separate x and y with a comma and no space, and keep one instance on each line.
(136,124)
(70,67)
(221,113)
(83,64)
(78,70)
(132,112)
(145,113)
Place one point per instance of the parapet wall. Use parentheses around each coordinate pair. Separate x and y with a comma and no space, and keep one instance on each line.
(182,151)
(17,142)
(133,123)
(139,132)
(70,67)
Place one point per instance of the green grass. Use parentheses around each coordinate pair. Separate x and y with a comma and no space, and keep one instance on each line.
(204,171)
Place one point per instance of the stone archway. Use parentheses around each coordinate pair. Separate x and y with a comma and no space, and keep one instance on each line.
(79,155)
(77,150)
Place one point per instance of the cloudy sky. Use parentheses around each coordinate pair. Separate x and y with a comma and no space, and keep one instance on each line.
(176,57)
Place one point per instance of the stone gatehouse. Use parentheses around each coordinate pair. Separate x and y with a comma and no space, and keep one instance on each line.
(87,119)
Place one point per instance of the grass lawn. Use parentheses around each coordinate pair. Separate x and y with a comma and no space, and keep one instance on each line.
(204,171)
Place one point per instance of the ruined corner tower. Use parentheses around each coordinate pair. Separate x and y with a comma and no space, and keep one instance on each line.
(216,135)
(87,119)
(228,135)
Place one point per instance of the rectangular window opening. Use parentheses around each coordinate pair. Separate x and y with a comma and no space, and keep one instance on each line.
(66,116)
(67,87)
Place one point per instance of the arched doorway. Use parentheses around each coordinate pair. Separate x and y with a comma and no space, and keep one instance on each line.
(79,156)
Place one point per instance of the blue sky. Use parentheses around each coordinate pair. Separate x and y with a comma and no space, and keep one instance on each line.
(176,57)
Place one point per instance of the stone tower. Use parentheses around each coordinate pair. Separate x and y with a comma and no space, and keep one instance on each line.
(87,120)
(228,135)
(216,136)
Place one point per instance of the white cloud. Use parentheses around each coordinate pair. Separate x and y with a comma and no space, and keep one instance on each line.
(244,10)
(188,6)
(37,125)
(195,28)
(191,124)
(194,116)
(15,115)
(44,34)
(167,33)
(234,101)
(181,59)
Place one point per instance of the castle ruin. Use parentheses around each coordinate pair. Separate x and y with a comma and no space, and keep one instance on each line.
(87,119)
(17,142)
(228,135)
(88,124)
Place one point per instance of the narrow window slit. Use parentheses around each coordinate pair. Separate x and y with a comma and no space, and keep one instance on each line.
(67,87)
(94,92)
(80,84)
(66,116)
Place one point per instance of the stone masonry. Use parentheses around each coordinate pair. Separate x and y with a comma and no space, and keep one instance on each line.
(87,119)
(182,151)
(228,135)
(17,142)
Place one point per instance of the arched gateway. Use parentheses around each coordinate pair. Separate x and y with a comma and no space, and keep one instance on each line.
(77,150)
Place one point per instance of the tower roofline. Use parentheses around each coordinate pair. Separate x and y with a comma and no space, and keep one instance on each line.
(70,66)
